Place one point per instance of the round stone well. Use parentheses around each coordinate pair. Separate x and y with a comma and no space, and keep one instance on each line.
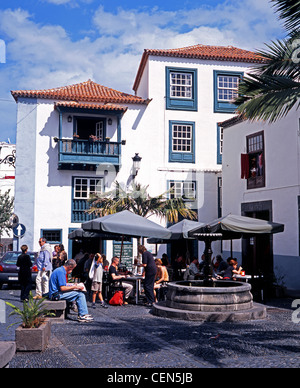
(222,301)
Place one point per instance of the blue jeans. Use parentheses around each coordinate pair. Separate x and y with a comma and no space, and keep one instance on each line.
(78,297)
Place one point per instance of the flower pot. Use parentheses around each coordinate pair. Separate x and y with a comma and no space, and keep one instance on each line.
(33,340)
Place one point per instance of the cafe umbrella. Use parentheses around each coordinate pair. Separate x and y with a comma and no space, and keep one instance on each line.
(126,223)
(179,232)
(80,234)
(228,228)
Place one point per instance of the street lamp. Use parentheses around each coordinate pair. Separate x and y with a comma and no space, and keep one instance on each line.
(136,164)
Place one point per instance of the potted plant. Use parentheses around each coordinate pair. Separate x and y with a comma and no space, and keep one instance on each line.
(93,138)
(34,332)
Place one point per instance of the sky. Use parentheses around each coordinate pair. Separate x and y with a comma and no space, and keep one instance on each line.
(51,43)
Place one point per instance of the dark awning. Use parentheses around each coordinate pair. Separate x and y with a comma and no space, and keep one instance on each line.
(234,227)
(126,223)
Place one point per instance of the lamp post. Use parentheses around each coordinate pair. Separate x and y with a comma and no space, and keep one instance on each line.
(136,164)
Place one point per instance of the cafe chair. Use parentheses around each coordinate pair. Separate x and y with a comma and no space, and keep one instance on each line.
(113,287)
(162,292)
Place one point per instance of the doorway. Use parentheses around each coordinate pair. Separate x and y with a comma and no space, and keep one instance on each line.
(257,252)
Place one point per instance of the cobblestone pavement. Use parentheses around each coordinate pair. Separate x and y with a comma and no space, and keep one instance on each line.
(131,337)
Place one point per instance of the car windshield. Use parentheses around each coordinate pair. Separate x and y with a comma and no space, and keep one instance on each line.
(12,257)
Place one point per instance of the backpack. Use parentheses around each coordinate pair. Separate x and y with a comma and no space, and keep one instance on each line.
(117,299)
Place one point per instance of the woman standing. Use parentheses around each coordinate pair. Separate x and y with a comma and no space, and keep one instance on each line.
(25,264)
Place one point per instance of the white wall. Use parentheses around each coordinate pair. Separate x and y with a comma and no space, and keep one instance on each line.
(282,185)
(43,193)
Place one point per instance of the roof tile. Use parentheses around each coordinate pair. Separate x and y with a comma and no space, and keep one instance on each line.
(88,91)
(200,51)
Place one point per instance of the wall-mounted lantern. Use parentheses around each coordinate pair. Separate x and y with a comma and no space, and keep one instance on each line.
(136,164)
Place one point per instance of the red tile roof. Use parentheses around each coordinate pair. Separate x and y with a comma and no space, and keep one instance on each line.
(88,91)
(216,53)
(74,104)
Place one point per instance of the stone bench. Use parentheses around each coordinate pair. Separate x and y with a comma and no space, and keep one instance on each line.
(57,307)
(7,352)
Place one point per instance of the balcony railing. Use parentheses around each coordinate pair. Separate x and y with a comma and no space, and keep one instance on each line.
(88,152)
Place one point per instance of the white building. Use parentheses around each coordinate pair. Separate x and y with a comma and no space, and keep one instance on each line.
(171,122)
(7,183)
(261,179)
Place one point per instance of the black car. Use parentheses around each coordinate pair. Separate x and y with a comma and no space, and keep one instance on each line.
(9,270)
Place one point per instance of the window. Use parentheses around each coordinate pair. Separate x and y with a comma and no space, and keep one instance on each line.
(53,236)
(256,161)
(220,197)
(100,130)
(220,138)
(226,90)
(181,85)
(82,189)
(181,89)
(182,138)
(182,142)
(183,189)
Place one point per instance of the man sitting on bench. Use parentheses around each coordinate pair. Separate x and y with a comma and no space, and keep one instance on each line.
(59,290)
(115,277)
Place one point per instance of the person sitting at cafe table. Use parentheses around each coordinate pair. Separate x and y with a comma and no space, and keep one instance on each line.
(161,276)
(219,265)
(193,270)
(238,268)
(115,278)
(232,270)
(178,266)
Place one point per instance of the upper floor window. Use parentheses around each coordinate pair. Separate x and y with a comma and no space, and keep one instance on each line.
(226,90)
(181,84)
(253,163)
(181,89)
(227,87)
(220,140)
(182,137)
(182,142)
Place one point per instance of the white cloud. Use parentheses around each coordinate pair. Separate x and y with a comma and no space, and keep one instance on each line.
(58,2)
(72,3)
(45,56)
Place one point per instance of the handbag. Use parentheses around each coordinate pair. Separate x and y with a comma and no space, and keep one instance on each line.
(117,299)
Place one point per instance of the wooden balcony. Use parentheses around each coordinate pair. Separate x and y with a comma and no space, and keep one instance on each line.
(81,154)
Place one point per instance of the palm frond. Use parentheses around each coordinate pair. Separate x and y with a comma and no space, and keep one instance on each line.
(281,58)
(267,98)
(140,202)
(289,12)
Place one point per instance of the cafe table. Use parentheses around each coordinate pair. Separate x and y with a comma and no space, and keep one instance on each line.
(138,281)
(243,277)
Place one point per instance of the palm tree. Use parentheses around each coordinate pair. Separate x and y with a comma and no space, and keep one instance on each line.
(140,202)
(273,88)
(289,11)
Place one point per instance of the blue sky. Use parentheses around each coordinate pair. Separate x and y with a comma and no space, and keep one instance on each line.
(52,43)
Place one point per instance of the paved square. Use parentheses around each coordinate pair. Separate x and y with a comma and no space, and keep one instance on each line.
(134,338)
